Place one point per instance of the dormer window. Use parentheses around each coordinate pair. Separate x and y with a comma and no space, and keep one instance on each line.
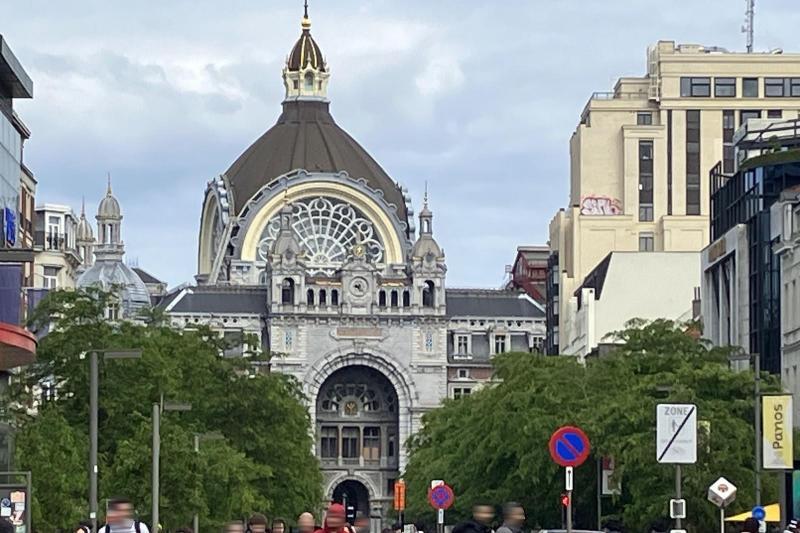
(308,81)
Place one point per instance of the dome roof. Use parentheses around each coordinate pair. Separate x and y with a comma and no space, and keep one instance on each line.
(109,206)
(305,52)
(84,231)
(307,137)
(116,275)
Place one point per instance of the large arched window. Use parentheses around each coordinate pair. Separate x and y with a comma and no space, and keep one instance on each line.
(323,297)
(395,301)
(428,293)
(287,291)
(310,296)
(382,298)
(327,229)
(334,297)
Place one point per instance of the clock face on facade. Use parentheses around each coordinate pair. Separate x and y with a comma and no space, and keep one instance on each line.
(359,287)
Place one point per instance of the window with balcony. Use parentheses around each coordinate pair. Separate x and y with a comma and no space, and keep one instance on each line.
(461,392)
(696,87)
(329,448)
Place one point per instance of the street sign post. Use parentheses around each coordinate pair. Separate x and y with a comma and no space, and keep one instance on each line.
(721,493)
(569,447)
(676,439)
(441,497)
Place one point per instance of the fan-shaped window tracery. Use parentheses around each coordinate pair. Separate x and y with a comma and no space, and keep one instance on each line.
(326,229)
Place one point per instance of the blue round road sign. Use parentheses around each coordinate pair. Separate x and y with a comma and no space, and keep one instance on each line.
(441,497)
(569,446)
(759,513)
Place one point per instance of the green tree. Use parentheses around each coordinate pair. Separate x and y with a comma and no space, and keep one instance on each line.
(266,445)
(492,446)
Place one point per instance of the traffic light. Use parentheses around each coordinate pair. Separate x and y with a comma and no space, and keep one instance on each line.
(565,499)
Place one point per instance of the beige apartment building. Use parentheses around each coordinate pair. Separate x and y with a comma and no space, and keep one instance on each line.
(640,160)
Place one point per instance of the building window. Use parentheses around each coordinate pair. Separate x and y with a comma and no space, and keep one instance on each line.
(500,344)
(394,298)
(725,87)
(693,162)
(774,113)
(334,297)
(382,298)
(646,242)
(112,311)
(538,344)
(696,87)
(406,299)
(50,277)
(287,291)
(323,297)
(429,341)
(644,119)
(288,340)
(462,344)
(391,443)
(746,115)
(428,294)
(460,392)
(310,296)
(350,443)
(728,127)
(774,87)
(750,87)
(463,373)
(308,81)
(372,443)
(646,181)
(295,84)
(330,443)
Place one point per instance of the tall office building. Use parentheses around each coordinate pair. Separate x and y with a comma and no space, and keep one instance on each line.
(17,346)
(640,160)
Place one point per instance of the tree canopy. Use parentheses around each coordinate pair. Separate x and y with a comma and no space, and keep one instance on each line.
(492,446)
(260,459)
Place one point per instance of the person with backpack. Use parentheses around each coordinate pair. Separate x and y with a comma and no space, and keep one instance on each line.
(513,518)
(120,519)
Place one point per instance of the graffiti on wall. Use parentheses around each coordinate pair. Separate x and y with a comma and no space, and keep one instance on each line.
(600,206)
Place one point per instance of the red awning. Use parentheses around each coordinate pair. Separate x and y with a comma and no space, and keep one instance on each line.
(17,346)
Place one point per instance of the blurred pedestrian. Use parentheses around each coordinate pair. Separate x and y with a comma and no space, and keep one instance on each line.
(482,516)
(84,526)
(120,518)
(185,529)
(6,526)
(750,525)
(236,526)
(306,523)
(335,520)
(279,525)
(513,518)
(257,523)
(361,524)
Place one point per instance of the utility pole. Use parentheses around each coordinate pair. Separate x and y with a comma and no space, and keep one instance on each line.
(749,19)
(94,388)
(757,417)
(196,518)
(156,455)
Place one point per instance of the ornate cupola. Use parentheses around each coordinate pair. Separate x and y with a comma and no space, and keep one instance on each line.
(84,239)
(109,222)
(306,73)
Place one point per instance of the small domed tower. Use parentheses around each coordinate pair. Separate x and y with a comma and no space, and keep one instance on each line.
(306,74)
(85,239)
(428,266)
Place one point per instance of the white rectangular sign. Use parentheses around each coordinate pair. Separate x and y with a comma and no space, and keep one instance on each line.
(568,479)
(676,433)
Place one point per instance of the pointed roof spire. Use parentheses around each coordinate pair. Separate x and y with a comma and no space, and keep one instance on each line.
(83,206)
(108,191)
(306,23)
(305,9)
(426,212)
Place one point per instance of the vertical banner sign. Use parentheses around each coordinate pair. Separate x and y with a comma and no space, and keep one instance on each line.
(776,413)
(400,495)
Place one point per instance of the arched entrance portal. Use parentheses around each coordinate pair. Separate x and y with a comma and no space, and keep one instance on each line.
(357,422)
(354,496)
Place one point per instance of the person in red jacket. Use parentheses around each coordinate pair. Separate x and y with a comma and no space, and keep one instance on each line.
(335,521)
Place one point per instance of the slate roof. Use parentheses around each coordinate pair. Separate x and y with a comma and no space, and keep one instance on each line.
(243,300)
(307,137)
(146,276)
(490,303)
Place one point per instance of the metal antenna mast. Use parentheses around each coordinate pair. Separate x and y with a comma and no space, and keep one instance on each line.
(747,28)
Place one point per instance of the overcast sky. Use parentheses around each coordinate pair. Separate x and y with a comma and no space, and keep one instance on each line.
(479,98)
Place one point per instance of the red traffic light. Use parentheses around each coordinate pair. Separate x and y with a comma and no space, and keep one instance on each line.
(565,499)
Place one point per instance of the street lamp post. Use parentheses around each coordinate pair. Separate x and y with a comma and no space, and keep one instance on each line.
(756,357)
(157,409)
(196,442)
(94,392)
